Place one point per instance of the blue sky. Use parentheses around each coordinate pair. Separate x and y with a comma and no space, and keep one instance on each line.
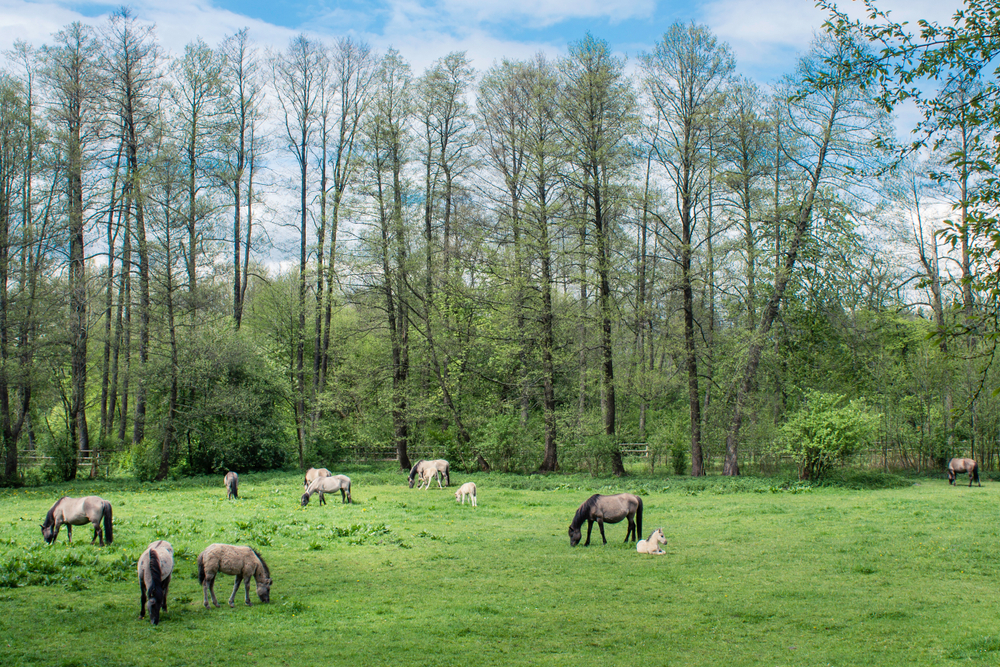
(766,35)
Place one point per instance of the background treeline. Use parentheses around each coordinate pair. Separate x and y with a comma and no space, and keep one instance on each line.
(240,259)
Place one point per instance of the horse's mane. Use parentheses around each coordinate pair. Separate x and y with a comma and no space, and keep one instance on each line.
(50,517)
(156,590)
(413,470)
(583,513)
(267,571)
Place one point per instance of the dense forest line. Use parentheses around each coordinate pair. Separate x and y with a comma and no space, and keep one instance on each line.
(243,259)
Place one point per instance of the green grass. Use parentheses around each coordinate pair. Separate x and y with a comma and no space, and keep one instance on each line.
(757,572)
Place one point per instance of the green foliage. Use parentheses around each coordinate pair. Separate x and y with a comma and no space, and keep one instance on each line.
(234,407)
(826,433)
(506,445)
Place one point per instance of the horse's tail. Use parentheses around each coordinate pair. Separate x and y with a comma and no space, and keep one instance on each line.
(155,576)
(975,471)
(638,516)
(447,474)
(109,535)
(201,568)
(236,487)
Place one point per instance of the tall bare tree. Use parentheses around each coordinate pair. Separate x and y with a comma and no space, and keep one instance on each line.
(131,64)
(297,78)
(829,118)
(71,73)
(196,89)
(598,120)
(387,146)
(685,73)
(241,101)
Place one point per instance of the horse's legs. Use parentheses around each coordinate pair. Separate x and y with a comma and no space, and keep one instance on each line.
(590,527)
(631,529)
(600,524)
(69,532)
(246,590)
(439,476)
(236,588)
(97,533)
(322,500)
(209,587)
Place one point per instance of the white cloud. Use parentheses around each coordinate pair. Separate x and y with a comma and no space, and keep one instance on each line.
(547,12)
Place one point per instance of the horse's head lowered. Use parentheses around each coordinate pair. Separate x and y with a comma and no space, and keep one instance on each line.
(574,535)
(264,590)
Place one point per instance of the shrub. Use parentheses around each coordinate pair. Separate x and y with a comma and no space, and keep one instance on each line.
(827,432)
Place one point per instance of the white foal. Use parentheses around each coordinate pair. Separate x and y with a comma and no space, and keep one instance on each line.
(652,545)
(467,489)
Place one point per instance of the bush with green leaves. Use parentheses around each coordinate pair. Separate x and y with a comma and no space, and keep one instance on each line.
(828,431)
(232,407)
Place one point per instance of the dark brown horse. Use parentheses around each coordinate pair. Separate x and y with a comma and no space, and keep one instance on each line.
(607,509)
(957,466)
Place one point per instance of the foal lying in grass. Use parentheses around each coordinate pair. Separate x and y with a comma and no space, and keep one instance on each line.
(652,545)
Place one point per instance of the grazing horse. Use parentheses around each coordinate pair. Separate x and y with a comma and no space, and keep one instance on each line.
(244,562)
(323,485)
(154,568)
(652,545)
(428,470)
(467,489)
(315,473)
(232,485)
(607,509)
(956,466)
(77,512)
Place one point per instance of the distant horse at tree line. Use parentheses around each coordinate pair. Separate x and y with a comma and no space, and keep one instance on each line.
(957,466)
(232,485)
(607,509)
(428,470)
(77,512)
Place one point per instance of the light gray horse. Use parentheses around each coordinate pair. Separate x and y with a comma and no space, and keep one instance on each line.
(315,473)
(323,485)
(77,512)
(428,470)
(607,509)
(154,568)
(232,485)
(244,562)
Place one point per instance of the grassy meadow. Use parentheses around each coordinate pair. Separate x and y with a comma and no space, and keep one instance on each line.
(756,573)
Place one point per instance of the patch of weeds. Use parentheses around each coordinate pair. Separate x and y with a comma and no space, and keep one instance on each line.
(76,584)
(315,545)
(184,599)
(359,533)
(294,607)
(118,569)
(429,536)
(257,530)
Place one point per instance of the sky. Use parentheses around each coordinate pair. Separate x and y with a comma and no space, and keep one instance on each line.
(766,35)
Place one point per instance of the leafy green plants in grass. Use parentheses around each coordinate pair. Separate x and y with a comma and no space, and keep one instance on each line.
(758,571)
